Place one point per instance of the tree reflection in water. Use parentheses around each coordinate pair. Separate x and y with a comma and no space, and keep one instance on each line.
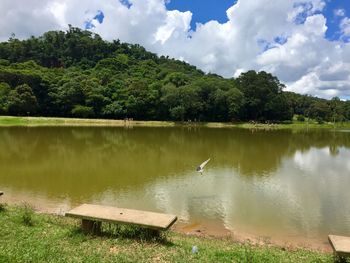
(289,181)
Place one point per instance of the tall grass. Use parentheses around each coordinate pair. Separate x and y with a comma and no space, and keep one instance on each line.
(26,214)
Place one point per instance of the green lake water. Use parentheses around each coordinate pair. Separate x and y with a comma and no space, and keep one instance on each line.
(279,184)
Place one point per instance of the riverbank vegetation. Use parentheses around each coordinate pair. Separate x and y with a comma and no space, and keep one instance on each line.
(52,121)
(78,74)
(30,237)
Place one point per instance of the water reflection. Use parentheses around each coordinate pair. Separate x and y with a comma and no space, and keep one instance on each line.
(270,183)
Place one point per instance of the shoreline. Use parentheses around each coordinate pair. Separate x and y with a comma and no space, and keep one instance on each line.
(202,230)
(34,237)
(294,243)
(9,121)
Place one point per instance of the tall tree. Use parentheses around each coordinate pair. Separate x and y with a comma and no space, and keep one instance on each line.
(22,101)
(262,96)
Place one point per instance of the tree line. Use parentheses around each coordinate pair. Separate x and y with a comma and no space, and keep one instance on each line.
(78,74)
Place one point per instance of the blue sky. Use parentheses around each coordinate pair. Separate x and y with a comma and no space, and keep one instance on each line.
(204,11)
(333,21)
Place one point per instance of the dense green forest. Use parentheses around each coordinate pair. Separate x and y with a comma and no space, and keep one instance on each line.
(78,74)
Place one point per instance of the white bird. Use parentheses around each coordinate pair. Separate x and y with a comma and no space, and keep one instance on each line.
(200,168)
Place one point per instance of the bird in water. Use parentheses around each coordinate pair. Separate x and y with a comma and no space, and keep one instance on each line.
(200,168)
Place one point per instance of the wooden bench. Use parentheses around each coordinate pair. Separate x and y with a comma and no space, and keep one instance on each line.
(93,215)
(340,245)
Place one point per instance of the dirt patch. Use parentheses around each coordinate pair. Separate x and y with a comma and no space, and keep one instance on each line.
(286,243)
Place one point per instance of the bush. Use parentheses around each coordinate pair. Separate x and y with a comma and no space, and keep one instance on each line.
(4,62)
(83,111)
(22,101)
(319,120)
(301,118)
(285,122)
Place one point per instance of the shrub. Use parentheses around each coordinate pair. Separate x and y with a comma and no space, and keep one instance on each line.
(83,111)
(319,120)
(301,118)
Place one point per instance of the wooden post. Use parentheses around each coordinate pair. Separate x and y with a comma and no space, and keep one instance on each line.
(89,226)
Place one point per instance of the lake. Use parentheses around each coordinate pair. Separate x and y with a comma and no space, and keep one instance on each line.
(285,185)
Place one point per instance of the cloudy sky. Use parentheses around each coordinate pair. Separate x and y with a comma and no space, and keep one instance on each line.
(306,43)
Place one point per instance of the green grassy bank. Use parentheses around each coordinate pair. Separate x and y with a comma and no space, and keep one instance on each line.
(48,121)
(30,237)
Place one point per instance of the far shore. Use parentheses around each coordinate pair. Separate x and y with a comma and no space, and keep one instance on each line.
(57,121)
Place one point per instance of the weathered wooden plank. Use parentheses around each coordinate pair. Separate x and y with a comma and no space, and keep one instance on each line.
(121,215)
(340,245)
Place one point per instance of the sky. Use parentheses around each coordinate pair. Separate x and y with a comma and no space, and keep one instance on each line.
(305,43)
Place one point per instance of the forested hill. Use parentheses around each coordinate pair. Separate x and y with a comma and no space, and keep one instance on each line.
(78,74)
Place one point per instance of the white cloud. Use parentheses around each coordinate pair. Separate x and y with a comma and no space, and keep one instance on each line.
(26,19)
(177,23)
(305,60)
(339,12)
(345,27)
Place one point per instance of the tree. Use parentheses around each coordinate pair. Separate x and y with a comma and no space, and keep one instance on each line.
(70,94)
(278,108)
(183,103)
(115,65)
(177,78)
(141,100)
(178,113)
(4,93)
(113,110)
(336,109)
(262,96)
(83,111)
(234,102)
(22,101)
(320,110)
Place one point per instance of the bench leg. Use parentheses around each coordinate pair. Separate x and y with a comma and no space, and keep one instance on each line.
(89,226)
(154,232)
(339,259)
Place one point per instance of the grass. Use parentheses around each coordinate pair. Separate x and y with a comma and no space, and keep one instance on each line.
(296,126)
(27,213)
(46,121)
(53,238)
